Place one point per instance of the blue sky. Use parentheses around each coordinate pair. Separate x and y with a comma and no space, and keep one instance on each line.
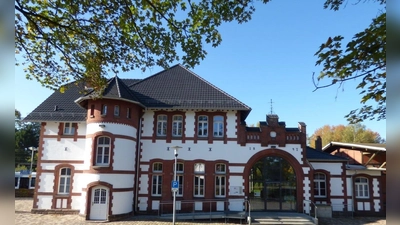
(270,57)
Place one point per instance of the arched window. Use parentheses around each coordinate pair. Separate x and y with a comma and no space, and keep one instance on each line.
(319,185)
(64,182)
(361,187)
(103,151)
(157,179)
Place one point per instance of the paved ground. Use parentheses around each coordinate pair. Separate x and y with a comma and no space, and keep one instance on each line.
(23,217)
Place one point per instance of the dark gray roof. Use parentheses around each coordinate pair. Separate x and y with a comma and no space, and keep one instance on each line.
(176,88)
(60,106)
(316,155)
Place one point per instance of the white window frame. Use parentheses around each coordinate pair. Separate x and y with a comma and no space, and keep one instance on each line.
(116,110)
(199,178)
(361,185)
(69,128)
(177,123)
(218,126)
(220,180)
(156,185)
(104,110)
(103,147)
(318,180)
(202,130)
(162,125)
(64,182)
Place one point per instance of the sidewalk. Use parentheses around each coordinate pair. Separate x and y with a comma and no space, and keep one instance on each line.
(23,217)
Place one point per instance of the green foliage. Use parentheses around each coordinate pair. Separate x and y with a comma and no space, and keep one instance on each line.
(363,57)
(26,135)
(352,133)
(85,40)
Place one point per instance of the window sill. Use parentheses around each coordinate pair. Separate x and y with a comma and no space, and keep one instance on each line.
(101,167)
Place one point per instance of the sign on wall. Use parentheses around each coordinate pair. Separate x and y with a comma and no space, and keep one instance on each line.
(236,190)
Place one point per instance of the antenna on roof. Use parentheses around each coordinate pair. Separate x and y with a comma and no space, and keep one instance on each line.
(271,107)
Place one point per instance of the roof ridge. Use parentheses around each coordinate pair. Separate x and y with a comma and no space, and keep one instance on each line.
(156,74)
(118,88)
(215,87)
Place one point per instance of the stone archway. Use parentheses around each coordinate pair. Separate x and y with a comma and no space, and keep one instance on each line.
(274,181)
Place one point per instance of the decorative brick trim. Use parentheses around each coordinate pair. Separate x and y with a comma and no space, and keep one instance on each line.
(290,159)
(169,115)
(39,165)
(328,185)
(56,183)
(89,189)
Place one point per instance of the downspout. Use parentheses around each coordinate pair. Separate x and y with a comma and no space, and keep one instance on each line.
(352,193)
(138,147)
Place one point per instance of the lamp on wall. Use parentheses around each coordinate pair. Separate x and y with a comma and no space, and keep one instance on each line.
(102,125)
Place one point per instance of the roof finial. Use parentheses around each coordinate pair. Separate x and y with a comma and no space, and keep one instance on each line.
(271,106)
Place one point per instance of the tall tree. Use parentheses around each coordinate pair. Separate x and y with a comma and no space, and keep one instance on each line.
(85,40)
(352,133)
(363,57)
(68,39)
(26,135)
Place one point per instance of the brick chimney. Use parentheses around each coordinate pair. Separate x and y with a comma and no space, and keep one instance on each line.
(302,127)
(318,143)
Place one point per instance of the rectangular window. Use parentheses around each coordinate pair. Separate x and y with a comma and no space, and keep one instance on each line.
(199,186)
(128,113)
(361,187)
(177,126)
(219,186)
(104,110)
(157,184)
(69,128)
(91,110)
(319,185)
(162,125)
(203,126)
(116,110)
(103,151)
(218,126)
(64,181)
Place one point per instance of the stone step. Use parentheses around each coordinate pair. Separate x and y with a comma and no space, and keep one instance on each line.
(294,221)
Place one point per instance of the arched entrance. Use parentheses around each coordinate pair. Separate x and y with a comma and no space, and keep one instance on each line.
(274,181)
